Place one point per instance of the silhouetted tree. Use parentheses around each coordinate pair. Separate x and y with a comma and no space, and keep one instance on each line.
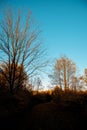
(20,45)
(37,84)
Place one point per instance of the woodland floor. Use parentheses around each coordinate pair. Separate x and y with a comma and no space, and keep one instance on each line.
(63,115)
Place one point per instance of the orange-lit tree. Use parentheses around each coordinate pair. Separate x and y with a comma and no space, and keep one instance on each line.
(64,70)
(20,45)
(18,77)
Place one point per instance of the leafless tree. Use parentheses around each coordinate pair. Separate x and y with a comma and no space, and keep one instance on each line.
(64,69)
(74,83)
(37,84)
(20,45)
(85,76)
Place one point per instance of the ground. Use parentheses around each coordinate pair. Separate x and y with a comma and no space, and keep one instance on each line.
(17,113)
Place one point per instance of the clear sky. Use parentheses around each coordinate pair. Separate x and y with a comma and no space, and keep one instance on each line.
(64,25)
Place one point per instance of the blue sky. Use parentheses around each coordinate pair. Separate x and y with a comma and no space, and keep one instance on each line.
(64,25)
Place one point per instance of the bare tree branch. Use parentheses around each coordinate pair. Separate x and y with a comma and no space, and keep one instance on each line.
(21,47)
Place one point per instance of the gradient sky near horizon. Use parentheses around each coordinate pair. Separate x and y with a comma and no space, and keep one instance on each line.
(64,25)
